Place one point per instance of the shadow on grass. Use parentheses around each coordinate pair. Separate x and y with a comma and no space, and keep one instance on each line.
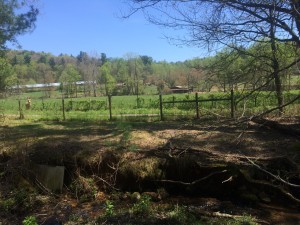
(68,129)
(101,134)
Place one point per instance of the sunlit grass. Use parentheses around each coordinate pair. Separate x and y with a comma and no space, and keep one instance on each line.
(128,107)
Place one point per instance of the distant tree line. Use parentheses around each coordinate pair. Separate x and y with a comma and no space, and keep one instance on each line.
(233,67)
(101,75)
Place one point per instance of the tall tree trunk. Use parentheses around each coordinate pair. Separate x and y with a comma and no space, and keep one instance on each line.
(275,65)
(295,6)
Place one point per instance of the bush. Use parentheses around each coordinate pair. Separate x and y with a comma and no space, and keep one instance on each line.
(109,208)
(30,220)
(142,206)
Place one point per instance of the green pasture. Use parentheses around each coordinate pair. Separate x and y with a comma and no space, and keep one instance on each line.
(140,107)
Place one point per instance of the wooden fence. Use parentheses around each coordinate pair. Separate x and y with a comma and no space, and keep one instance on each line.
(196,101)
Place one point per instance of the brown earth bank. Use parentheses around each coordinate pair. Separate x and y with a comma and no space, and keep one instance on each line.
(195,172)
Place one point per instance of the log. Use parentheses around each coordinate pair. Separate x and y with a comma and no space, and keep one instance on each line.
(286,129)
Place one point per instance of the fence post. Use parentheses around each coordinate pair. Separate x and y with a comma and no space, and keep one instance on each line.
(43,104)
(63,107)
(20,111)
(109,106)
(197,105)
(232,103)
(160,107)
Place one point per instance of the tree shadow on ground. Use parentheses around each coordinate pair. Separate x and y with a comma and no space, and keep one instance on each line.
(219,136)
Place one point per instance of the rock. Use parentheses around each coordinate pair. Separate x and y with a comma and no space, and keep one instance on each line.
(135,196)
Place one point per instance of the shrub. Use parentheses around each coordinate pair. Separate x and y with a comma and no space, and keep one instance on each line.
(109,208)
(142,206)
(30,220)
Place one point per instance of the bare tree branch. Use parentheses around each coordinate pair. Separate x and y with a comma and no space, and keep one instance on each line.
(195,181)
(278,178)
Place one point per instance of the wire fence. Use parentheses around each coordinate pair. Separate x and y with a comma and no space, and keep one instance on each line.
(151,107)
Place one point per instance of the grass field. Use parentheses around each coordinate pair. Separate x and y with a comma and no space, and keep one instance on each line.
(138,108)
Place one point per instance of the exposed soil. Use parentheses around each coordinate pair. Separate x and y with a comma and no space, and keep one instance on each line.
(207,166)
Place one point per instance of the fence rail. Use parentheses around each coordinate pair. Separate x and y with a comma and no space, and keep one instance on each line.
(197,101)
(63,107)
(158,107)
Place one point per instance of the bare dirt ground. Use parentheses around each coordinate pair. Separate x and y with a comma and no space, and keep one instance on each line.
(215,144)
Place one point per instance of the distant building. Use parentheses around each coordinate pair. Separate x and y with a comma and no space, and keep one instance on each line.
(36,86)
(47,85)
(121,85)
(180,89)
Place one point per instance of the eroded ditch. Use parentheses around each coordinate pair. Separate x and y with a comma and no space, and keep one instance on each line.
(187,172)
(169,173)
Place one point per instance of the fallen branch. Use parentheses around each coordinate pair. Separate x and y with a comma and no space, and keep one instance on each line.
(272,175)
(195,181)
(198,211)
(252,118)
(269,185)
(277,126)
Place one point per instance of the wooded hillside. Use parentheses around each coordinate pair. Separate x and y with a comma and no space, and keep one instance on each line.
(232,68)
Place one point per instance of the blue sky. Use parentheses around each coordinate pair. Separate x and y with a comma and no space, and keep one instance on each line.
(71,26)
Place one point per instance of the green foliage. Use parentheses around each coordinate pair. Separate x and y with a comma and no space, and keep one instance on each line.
(5,73)
(16,19)
(11,81)
(143,205)
(19,199)
(107,78)
(27,59)
(69,77)
(8,204)
(30,220)
(244,220)
(109,208)
(85,105)
(180,214)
